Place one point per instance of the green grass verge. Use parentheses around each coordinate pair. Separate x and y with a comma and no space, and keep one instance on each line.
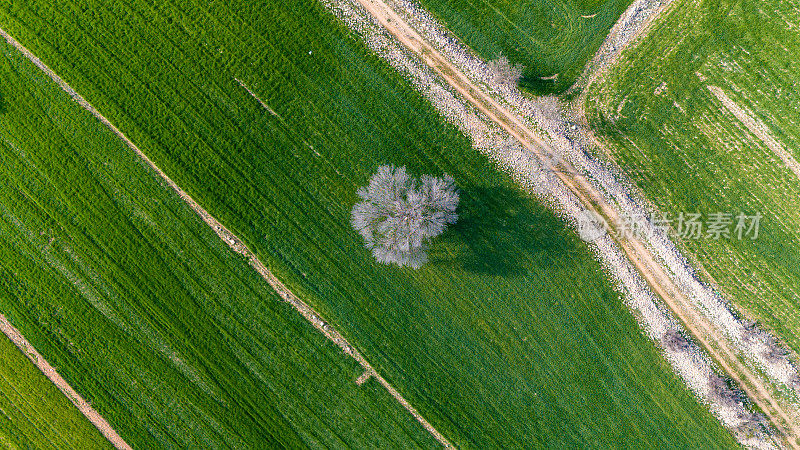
(34,413)
(548,37)
(512,336)
(146,312)
(688,153)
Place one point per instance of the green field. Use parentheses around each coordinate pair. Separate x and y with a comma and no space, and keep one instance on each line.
(34,413)
(511,337)
(548,37)
(688,153)
(145,311)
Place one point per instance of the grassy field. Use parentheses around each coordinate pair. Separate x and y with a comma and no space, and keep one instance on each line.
(145,311)
(34,413)
(512,336)
(548,37)
(688,153)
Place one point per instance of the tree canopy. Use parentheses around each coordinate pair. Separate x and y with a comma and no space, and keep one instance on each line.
(398,214)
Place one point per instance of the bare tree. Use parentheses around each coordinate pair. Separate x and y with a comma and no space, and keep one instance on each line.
(764,343)
(752,424)
(794,382)
(773,352)
(674,341)
(719,391)
(503,72)
(398,215)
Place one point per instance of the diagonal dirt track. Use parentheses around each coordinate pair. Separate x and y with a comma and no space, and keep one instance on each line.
(635,250)
(83,406)
(758,128)
(236,245)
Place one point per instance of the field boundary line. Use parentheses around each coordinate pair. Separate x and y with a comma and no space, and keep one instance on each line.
(253,94)
(634,249)
(757,127)
(50,372)
(235,243)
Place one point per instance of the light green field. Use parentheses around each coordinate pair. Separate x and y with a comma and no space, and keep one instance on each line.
(688,153)
(176,341)
(34,413)
(511,337)
(548,37)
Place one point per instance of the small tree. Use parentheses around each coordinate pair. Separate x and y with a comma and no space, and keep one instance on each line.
(504,73)
(398,215)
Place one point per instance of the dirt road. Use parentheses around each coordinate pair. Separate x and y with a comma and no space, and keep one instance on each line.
(635,250)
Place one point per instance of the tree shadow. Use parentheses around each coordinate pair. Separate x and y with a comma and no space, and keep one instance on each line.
(3,104)
(498,230)
(537,86)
